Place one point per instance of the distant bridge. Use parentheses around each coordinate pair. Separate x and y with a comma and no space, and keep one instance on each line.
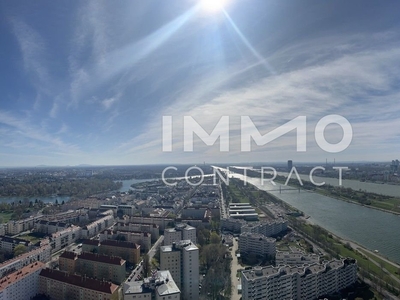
(283,189)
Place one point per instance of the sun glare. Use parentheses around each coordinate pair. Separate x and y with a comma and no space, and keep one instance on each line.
(213,5)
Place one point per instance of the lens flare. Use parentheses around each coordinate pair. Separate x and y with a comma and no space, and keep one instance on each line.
(213,5)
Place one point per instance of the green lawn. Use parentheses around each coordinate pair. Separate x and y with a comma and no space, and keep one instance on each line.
(391,268)
(237,195)
(31,238)
(5,216)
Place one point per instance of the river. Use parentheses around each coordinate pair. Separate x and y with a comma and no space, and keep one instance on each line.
(126,184)
(371,228)
(383,189)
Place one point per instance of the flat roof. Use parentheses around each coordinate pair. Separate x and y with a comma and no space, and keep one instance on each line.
(169,287)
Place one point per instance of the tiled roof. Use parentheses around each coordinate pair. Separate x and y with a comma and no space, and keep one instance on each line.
(68,255)
(90,242)
(120,244)
(113,260)
(81,281)
(17,275)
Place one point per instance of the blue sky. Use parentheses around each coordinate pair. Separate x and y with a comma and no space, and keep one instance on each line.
(88,82)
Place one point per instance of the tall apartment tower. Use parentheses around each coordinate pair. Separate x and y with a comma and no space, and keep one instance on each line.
(289,165)
(179,233)
(182,261)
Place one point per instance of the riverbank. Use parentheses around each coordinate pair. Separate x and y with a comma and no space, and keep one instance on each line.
(319,191)
(373,267)
(355,245)
(378,269)
(324,192)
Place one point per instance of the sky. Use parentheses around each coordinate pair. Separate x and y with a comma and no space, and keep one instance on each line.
(89,82)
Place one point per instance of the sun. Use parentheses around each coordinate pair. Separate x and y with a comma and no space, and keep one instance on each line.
(213,5)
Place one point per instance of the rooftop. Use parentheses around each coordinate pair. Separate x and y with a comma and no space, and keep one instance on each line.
(186,244)
(81,281)
(122,244)
(90,242)
(260,272)
(169,287)
(14,240)
(162,283)
(68,255)
(112,260)
(17,275)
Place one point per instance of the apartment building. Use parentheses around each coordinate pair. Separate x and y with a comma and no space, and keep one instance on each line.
(63,238)
(153,229)
(256,244)
(300,283)
(41,254)
(179,233)
(8,243)
(94,265)
(64,286)
(128,210)
(233,225)
(67,262)
(49,227)
(266,228)
(194,212)
(15,227)
(3,229)
(21,284)
(160,286)
(295,258)
(127,250)
(97,226)
(90,246)
(160,221)
(182,260)
(141,238)
(70,216)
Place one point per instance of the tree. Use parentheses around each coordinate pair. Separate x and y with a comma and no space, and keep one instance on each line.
(19,249)
(215,238)
(146,266)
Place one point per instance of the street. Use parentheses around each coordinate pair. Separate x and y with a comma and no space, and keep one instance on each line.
(136,272)
(234,268)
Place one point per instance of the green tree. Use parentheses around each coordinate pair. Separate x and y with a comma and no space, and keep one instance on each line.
(146,266)
(19,249)
(215,238)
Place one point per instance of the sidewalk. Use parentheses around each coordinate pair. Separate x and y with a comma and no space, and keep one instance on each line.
(234,268)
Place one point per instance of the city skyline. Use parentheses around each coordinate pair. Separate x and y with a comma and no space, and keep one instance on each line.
(90,82)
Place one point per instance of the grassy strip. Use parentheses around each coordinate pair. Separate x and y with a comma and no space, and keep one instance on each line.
(391,268)
(5,216)
(336,248)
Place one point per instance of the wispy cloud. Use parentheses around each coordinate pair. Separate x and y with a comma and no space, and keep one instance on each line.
(20,127)
(360,85)
(33,48)
(107,103)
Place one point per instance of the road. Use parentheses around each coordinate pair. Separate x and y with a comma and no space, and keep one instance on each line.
(153,249)
(224,212)
(359,248)
(54,257)
(234,268)
(136,271)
